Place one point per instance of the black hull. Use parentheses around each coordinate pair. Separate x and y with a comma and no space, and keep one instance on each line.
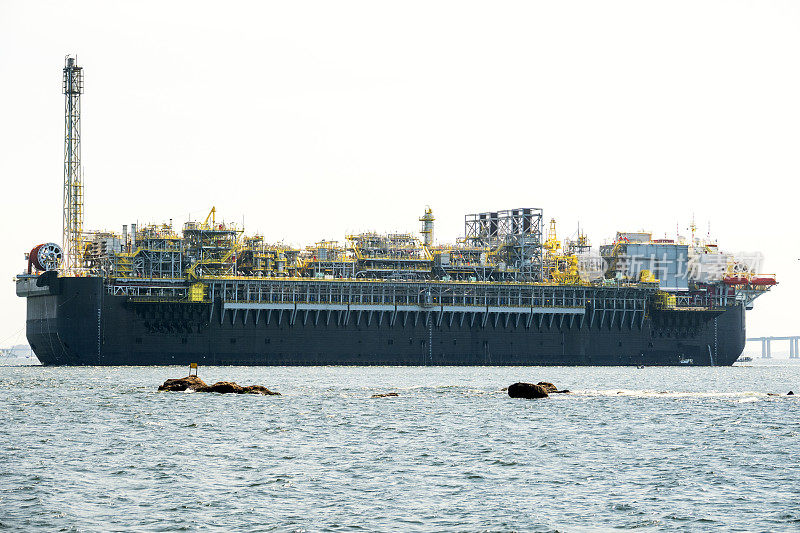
(73,321)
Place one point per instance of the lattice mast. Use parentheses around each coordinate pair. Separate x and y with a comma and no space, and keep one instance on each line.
(73,184)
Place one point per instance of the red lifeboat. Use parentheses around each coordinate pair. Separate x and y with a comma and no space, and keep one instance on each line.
(763,282)
(735,280)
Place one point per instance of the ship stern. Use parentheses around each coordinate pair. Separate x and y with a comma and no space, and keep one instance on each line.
(63,322)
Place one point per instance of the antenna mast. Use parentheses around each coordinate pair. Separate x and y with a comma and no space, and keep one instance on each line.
(73,184)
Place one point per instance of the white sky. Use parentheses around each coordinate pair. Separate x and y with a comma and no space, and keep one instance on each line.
(312,119)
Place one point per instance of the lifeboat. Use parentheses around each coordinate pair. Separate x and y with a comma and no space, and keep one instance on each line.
(763,282)
(735,280)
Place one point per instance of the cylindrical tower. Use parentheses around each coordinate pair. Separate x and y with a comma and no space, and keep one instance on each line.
(427,226)
(73,184)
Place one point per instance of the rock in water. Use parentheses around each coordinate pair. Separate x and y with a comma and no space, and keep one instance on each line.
(196,384)
(526,390)
(790,393)
(258,389)
(385,395)
(549,387)
(224,387)
(181,384)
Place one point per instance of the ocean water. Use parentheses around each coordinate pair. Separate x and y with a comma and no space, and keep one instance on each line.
(654,449)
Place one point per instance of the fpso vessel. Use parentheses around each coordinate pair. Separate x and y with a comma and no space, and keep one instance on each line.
(506,293)
(502,296)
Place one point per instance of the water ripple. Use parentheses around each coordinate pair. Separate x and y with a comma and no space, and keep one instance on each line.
(97,449)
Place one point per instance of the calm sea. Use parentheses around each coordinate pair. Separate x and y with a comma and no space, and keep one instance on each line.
(654,449)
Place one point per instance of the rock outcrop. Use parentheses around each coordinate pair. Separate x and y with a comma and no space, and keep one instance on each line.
(527,390)
(258,389)
(549,387)
(181,384)
(225,387)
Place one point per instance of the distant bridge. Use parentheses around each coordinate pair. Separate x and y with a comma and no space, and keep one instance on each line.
(766,345)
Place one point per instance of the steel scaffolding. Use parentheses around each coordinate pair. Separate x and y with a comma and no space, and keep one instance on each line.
(514,235)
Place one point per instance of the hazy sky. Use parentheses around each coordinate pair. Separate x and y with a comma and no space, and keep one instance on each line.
(312,119)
